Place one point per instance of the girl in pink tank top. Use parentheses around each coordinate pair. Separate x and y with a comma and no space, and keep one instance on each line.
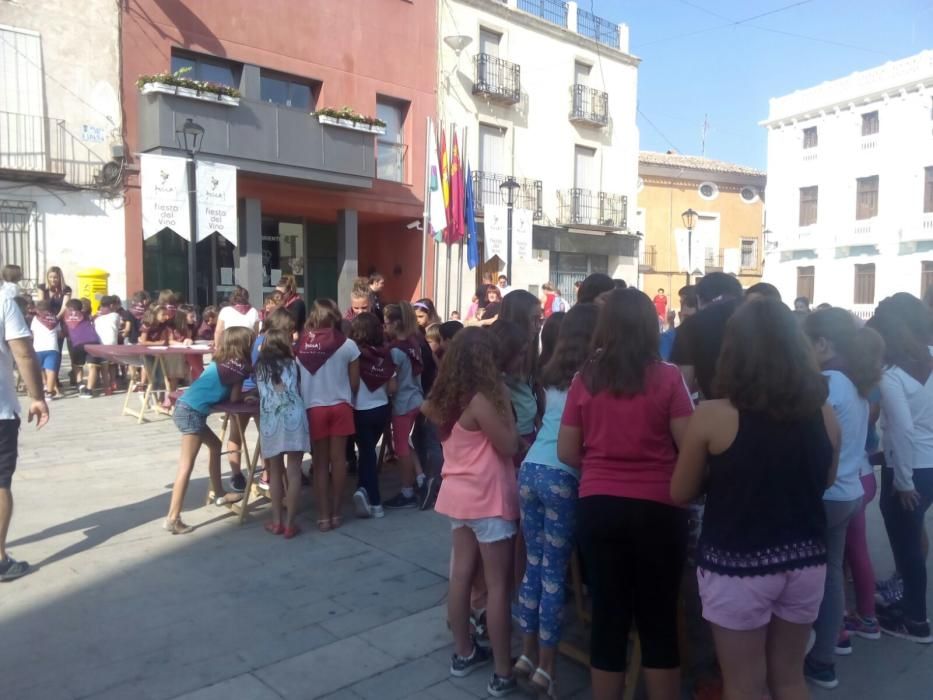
(470,406)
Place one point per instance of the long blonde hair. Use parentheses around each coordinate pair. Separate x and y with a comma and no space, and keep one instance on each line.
(401,319)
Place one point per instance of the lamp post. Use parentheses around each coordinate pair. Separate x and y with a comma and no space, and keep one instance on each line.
(189,136)
(510,185)
(689,218)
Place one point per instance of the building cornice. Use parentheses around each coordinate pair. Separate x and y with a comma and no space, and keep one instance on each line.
(515,16)
(671,175)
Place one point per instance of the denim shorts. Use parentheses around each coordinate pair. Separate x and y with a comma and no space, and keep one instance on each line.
(487,530)
(187,420)
(49,360)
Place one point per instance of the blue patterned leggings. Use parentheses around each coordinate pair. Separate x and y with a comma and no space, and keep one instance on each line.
(548,501)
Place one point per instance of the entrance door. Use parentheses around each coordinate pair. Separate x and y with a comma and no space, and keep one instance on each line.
(322,263)
(584,179)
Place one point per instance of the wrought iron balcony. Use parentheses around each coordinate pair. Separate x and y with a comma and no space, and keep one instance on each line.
(554,11)
(579,207)
(597,28)
(588,106)
(39,149)
(497,79)
(712,259)
(487,190)
(649,258)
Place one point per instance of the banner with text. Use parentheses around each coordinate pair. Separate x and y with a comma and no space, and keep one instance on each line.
(216,200)
(522,223)
(164,188)
(495,231)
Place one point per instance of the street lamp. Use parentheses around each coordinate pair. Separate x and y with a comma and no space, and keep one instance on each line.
(510,185)
(189,137)
(689,218)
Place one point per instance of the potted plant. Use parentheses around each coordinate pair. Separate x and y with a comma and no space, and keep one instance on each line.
(347,118)
(177,84)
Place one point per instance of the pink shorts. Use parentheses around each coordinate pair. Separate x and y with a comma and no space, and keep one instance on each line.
(401,430)
(331,421)
(748,602)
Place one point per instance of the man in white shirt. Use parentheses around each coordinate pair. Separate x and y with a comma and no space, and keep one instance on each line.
(504,287)
(15,346)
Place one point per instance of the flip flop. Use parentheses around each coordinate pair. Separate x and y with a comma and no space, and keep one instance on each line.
(323,525)
(547,688)
(274,529)
(291,532)
(524,666)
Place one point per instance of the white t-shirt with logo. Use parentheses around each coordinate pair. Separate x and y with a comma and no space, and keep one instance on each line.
(330,385)
(12,327)
(108,328)
(45,339)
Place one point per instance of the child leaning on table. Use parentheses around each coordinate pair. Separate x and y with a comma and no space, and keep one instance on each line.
(221,382)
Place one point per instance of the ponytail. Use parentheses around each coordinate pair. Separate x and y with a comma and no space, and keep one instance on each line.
(860,350)
(401,317)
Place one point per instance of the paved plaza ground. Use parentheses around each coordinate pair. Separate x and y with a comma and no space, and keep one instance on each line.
(118,609)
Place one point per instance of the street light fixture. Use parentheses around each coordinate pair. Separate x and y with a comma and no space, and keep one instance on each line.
(510,185)
(190,136)
(689,218)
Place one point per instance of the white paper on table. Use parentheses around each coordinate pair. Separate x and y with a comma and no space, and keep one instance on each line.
(158,347)
(275,276)
(200,346)
(226,275)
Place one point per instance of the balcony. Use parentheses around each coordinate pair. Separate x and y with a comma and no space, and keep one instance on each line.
(497,79)
(264,138)
(554,11)
(803,238)
(598,29)
(588,106)
(649,258)
(713,260)
(598,210)
(486,190)
(39,149)
(921,230)
(810,154)
(862,232)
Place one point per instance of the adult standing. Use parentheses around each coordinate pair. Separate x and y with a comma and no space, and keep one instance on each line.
(239,314)
(547,299)
(376,284)
(292,302)
(58,294)
(504,286)
(15,346)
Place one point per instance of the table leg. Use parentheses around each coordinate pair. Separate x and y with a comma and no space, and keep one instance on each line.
(247,461)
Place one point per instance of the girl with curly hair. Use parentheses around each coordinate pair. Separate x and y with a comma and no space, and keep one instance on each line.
(469,404)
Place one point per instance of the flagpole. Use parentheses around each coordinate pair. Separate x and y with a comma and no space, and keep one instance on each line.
(463,150)
(449,226)
(425,229)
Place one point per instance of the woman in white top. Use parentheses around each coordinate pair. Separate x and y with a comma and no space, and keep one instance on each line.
(238,314)
(906,325)
(850,358)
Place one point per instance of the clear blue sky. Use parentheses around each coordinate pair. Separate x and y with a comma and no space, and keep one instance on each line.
(730,72)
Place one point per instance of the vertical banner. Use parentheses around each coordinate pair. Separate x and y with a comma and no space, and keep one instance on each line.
(522,222)
(216,200)
(697,266)
(496,231)
(164,193)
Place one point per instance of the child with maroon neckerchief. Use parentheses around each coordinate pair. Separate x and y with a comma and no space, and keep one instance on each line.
(80,332)
(46,331)
(158,329)
(208,324)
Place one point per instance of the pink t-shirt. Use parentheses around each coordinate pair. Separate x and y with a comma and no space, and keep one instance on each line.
(628,449)
(478,481)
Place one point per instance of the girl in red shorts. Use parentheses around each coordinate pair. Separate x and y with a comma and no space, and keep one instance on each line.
(401,328)
(328,363)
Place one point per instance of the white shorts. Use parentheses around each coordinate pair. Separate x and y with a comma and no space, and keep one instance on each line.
(487,530)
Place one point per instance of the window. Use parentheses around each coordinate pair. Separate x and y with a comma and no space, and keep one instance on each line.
(287,91)
(207,68)
(390,159)
(581,73)
(491,149)
(489,41)
(870,123)
(809,199)
(810,137)
(928,190)
(864,284)
(926,278)
(806,282)
(749,254)
(748,194)
(866,197)
(708,190)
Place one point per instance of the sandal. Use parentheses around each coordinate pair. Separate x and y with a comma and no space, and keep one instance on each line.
(546,685)
(227,499)
(177,527)
(290,532)
(274,528)
(323,525)
(335,522)
(523,666)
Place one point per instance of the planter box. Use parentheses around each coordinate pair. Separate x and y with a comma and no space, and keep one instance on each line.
(190,93)
(347,124)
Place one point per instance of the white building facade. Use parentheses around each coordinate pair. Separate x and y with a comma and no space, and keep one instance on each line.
(544,92)
(850,187)
(61,151)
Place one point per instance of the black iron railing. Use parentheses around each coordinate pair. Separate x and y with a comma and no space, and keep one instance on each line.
(37,147)
(597,28)
(713,259)
(589,105)
(497,78)
(487,189)
(649,256)
(552,10)
(587,208)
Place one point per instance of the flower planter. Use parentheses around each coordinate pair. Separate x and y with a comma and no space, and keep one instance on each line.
(348,124)
(190,93)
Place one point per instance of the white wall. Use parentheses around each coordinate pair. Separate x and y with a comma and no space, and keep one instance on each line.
(540,139)
(902,93)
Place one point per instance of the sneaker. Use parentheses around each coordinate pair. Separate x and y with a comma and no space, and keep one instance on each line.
(431,487)
(11,569)
(401,501)
(378,512)
(819,675)
(84,392)
(889,591)
(238,483)
(177,527)
(462,666)
(361,503)
(864,627)
(893,622)
(499,687)
(843,645)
